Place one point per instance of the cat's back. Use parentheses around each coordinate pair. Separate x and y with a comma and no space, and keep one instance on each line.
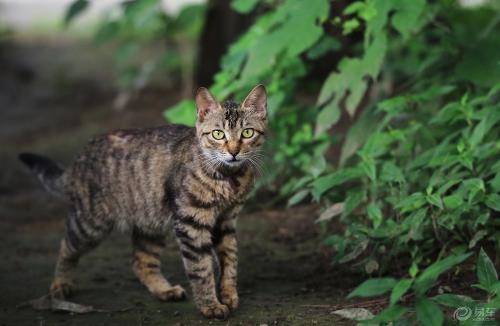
(128,155)
(132,143)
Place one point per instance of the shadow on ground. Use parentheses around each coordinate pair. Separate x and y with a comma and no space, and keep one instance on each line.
(53,106)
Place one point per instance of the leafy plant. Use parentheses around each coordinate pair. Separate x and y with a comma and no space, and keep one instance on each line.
(428,310)
(418,170)
(419,183)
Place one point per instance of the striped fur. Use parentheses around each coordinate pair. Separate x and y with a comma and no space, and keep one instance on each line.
(170,177)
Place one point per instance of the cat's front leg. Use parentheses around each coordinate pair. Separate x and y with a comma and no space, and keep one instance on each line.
(194,238)
(224,240)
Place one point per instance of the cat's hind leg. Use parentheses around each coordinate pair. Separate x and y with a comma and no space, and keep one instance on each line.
(83,233)
(147,266)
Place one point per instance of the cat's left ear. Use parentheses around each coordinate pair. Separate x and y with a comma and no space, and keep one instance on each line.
(205,102)
(256,101)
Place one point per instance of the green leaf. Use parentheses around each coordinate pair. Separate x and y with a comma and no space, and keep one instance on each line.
(349,26)
(412,202)
(349,84)
(431,273)
(415,224)
(495,183)
(445,187)
(298,197)
(303,28)
(327,90)
(141,15)
(493,202)
(495,288)
(327,182)
(400,289)
(392,313)
(391,173)
(297,32)
(377,144)
(428,313)
(453,201)
(413,271)
(486,272)
(453,300)
(405,20)
(244,6)
(352,201)
(183,112)
(263,55)
(365,10)
(373,287)
(474,186)
(327,117)
(368,166)
(324,45)
(435,200)
(375,214)
(75,9)
(479,133)
(357,134)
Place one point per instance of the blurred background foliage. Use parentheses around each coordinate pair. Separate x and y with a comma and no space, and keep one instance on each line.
(385,112)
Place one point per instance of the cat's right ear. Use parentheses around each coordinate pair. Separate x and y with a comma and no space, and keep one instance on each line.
(205,102)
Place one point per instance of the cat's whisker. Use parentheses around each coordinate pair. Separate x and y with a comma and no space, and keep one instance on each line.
(256,165)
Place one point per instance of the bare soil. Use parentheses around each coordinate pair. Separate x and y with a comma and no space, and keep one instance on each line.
(54,95)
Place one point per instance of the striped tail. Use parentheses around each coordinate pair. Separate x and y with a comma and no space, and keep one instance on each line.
(47,171)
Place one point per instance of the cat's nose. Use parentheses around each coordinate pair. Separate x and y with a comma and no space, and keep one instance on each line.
(234,153)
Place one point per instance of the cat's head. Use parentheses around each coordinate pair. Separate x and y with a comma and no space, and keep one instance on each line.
(229,133)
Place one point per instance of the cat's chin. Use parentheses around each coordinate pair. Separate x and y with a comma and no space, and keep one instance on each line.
(233,163)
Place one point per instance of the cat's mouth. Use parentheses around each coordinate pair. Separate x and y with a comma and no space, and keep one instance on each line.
(233,162)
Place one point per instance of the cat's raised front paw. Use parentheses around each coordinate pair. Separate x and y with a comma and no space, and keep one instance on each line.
(218,311)
(175,293)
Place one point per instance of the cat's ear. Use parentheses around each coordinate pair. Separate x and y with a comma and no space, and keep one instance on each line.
(205,102)
(256,101)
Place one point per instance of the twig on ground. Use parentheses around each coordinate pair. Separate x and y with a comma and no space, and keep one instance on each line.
(47,302)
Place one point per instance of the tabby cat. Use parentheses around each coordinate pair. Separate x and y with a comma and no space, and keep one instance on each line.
(193,180)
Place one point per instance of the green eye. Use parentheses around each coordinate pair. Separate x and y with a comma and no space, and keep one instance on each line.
(218,134)
(247,133)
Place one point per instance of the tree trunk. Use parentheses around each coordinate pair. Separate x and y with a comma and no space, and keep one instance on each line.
(223,25)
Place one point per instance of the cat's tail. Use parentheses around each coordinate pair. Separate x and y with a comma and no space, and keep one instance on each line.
(48,172)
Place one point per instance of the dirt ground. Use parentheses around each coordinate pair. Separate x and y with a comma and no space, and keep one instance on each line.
(54,95)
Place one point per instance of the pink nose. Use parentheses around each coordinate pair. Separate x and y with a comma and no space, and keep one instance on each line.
(234,152)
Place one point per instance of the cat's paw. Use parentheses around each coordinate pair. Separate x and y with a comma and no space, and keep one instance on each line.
(61,289)
(174,293)
(218,311)
(230,298)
